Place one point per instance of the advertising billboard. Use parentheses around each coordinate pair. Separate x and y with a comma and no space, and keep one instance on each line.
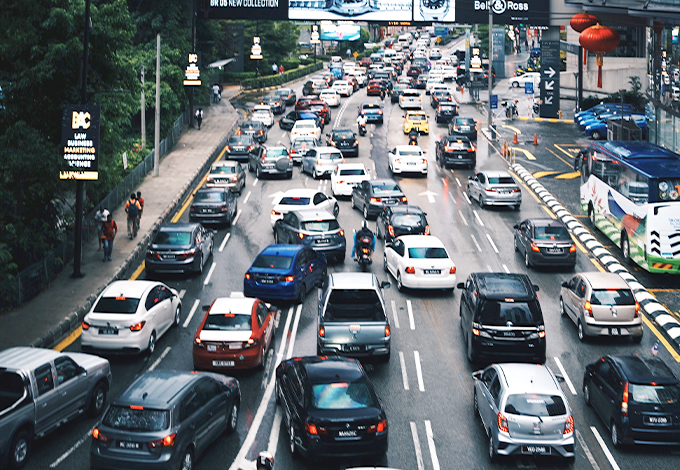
(351,10)
(340,32)
(532,12)
(80,142)
(242,9)
(439,11)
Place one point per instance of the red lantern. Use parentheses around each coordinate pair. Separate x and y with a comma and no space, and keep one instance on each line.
(599,39)
(581,21)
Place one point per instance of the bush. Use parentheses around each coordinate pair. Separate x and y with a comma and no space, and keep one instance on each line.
(290,64)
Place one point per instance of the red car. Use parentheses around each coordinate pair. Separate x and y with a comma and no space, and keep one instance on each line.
(236,333)
(303,102)
(374,88)
(365,62)
(321,108)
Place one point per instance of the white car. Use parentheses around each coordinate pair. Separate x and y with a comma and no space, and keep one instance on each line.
(346,176)
(263,113)
(302,199)
(449,72)
(410,99)
(520,81)
(331,97)
(343,87)
(439,87)
(435,53)
(362,79)
(305,127)
(419,262)
(130,316)
(432,81)
(407,159)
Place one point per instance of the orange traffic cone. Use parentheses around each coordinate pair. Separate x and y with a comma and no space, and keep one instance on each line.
(514,139)
(535,138)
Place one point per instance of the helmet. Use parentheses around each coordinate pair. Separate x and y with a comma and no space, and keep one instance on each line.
(265,461)
(364,225)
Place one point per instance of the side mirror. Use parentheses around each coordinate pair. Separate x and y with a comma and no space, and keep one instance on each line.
(385,285)
(477,374)
(565,284)
(460,285)
(516,226)
(205,308)
(536,288)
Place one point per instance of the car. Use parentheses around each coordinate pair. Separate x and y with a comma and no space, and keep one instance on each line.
(440,97)
(301,199)
(601,304)
(360,78)
(321,161)
(318,85)
(438,87)
(318,229)
(421,81)
(365,61)
(284,272)
(343,87)
(235,334)
(353,81)
(169,416)
(410,99)
(300,146)
(435,53)
(451,150)
(464,127)
(419,262)
(598,130)
(446,111)
(344,140)
(308,88)
(545,242)
(417,120)
(340,404)
(288,121)
(226,174)
(272,160)
(371,196)
(216,205)
(129,317)
(396,91)
(179,248)
(407,159)
(501,318)
(276,102)
(494,188)
(415,72)
(263,114)
(240,146)
(331,97)
(434,80)
(303,102)
(602,107)
(287,95)
(449,72)
(41,390)
(395,221)
(372,111)
(524,411)
(637,396)
(255,129)
(321,108)
(406,80)
(306,127)
(599,118)
(374,88)
(346,176)
(529,77)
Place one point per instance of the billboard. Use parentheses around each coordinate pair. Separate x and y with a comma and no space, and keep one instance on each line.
(80,142)
(242,9)
(532,12)
(340,32)
(439,11)
(351,10)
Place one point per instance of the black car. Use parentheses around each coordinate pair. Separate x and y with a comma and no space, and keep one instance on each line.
(637,396)
(287,95)
(415,72)
(465,127)
(255,129)
(344,140)
(372,111)
(545,242)
(421,82)
(239,146)
(372,196)
(288,121)
(330,408)
(440,96)
(307,88)
(216,205)
(501,318)
(318,229)
(451,150)
(446,112)
(275,102)
(179,248)
(395,221)
(396,92)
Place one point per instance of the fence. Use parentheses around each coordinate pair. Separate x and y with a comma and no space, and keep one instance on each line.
(32,280)
(280,79)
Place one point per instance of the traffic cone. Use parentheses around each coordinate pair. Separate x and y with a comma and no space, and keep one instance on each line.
(535,138)
(514,139)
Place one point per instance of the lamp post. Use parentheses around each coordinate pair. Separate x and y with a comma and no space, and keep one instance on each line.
(576,110)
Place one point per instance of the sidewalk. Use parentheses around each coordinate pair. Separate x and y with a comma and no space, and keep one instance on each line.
(59,310)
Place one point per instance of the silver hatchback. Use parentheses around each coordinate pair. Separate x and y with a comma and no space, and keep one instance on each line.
(321,161)
(494,188)
(524,411)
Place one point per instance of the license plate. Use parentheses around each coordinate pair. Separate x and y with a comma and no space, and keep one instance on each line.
(108,331)
(542,450)
(234,346)
(352,348)
(267,167)
(347,433)
(554,250)
(168,256)
(410,163)
(223,363)
(212,348)
(322,240)
(464,128)
(206,211)
(665,420)
(239,149)
(266,281)
(129,445)
(614,332)
(432,271)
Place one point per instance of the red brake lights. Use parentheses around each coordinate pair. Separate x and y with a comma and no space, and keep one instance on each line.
(503,423)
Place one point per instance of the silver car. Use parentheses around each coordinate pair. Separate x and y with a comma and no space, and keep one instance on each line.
(321,161)
(524,411)
(494,188)
(601,304)
(227,174)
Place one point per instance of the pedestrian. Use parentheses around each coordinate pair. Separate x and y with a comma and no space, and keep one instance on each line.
(275,68)
(199,117)
(216,93)
(280,69)
(349,52)
(132,209)
(100,218)
(140,200)
(109,231)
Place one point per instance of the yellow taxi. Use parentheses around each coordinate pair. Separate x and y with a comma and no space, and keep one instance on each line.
(416,120)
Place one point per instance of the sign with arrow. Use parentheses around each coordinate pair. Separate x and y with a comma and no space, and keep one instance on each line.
(550,79)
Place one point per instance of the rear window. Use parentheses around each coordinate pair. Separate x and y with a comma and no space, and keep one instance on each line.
(173,238)
(239,140)
(385,188)
(498,313)
(501,180)
(465,122)
(223,169)
(411,152)
(210,196)
(294,201)
(407,220)
(655,394)
(125,305)
(330,156)
(457,145)
(273,262)
(343,135)
(612,297)
(136,420)
(273,153)
(353,304)
(427,253)
(320,225)
(12,389)
(532,404)
(228,322)
(551,233)
(342,396)
(352,172)
(417,117)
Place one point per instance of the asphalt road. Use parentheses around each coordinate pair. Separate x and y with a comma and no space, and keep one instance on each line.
(426,388)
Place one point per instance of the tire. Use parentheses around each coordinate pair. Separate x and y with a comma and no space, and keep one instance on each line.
(20,449)
(354,204)
(596,135)
(586,394)
(232,422)
(516,247)
(515,84)
(336,210)
(385,263)
(302,294)
(258,173)
(277,391)
(527,263)
(637,339)
(400,286)
(563,312)
(493,456)
(178,316)
(625,248)
(581,332)
(97,400)
(250,167)
(591,215)
(341,258)
(151,347)
(614,434)
(365,212)
(199,271)
(289,175)
(187,462)
(476,403)
(469,354)
(314,176)
(291,441)
(276,238)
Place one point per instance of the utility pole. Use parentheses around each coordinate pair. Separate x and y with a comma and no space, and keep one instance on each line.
(157,130)
(193,49)
(490,126)
(143,113)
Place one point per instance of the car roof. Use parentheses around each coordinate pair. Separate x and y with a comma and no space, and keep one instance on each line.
(251,124)
(352,280)
(351,166)
(134,289)
(262,107)
(313,214)
(327,369)
(467,119)
(301,192)
(605,280)
(499,286)
(382,181)
(400,148)
(342,130)
(222,305)
(546,222)
(422,241)
(157,388)
(19,358)
(643,369)
(529,378)
(285,250)
(327,149)
(240,136)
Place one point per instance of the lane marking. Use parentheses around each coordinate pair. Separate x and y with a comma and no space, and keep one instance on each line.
(245,199)
(568,176)
(541,174)
(585,448)
(452,199)
(80,442)
(513,128)
(224,242)
(466,197)
(411,322)
(506,269)
(458,182)
(416,444)
(479,221)
(160,358)
(660,337)
(294,332)
(181,293)
(570,165)
(549,212)
(463,217)
(138,271)
(255,182)
(597,264)
(394,313)
(191,313)
(404,376)
(526,153)
(274,433)
(493,245)
(66,342)
(207,278)
(479,248)
(564,374)
(238,214)
(419,371)
(430,443)
(608,454)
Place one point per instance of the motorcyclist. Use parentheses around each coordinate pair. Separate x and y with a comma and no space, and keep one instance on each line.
(361,122)
(265,461)
(512,109)
(363,232)
(413,137)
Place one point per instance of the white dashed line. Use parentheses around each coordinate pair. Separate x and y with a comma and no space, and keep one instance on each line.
(394,313)
(191,313)
(467,198)
(255,182)
(506,269)
(245,199)
(160,358)
(416,444)
(404,376)
(463,218)
(566,377)
(65,455)
(489,268)
(430,443)
(608,454)
(238,214)
(479,221)
(452,199)
(181,293)
(207,278)
(294,332)
(479,248)
(419,371)
(224,242)
(585,448)
(411,322)
(493,245)
(458,181)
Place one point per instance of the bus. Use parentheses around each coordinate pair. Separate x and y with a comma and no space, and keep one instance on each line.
(631,193)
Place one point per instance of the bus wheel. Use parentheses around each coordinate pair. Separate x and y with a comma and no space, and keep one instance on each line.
(625,247)
(591,214)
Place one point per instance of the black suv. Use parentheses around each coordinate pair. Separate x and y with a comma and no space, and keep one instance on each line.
(501,318)
(451,150)
(395,221)
(344,140)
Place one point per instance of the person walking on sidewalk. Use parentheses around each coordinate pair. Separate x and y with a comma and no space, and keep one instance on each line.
(140,200)
(109,231)
(199,117)
(100,218)
(132,209)
(216,93)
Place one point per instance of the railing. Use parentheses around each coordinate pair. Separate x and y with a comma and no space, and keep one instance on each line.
(280,79)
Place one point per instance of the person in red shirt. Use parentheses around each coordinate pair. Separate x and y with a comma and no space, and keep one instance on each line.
(140,200)
(109,231)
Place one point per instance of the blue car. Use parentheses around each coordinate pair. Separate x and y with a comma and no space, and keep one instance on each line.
(627,109)
(284,272)
(602,117)
(601,107)
(598,130)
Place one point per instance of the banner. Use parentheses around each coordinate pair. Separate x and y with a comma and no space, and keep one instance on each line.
(340,32)
(242,9)
(351,10)
(531,12)
(80,142)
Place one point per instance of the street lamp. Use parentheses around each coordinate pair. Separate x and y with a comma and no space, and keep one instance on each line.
(576,110)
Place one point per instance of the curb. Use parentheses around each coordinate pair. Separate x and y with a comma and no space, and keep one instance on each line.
(652,307)
(539,119)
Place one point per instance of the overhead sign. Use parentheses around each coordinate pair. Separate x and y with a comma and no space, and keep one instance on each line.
(358,10)
(550,79)
(532,12)
(570,48)
(439,11)
(340,32)
(256,49)
(80,142)
(314,37)
(192,71)
(242,9)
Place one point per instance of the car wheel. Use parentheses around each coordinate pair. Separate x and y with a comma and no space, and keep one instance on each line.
(581,332)
(480,200)
(625,248)
(187,460)
(250,167)
(151,347)
(291,434)
(97,400)
(492,451)
(516,247)
(302,294)
(470,355)
(277,241)
(515,84)
(385,268)
(615,435)
(476,403)
(314,175)
(354,204)
(366,212)
(341,258)
(233,417)
(200,265)
(178,316)
(400,286)
(596,135)
(586,394)
(527,263)
(258,173)
(336,210)
(591,215)
(278,392)
(563,312)
(19,450)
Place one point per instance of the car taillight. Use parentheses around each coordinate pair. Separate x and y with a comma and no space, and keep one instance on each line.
(427,230)
(250,147)
(624,401)
(490,190)
(388,333)
(248,276)
(167,441)
(186,254)
(223,208)
(275,213)
(341,181)
(234,178)
(410,269)
(289,278)
(138,326)
(403,199)
(342,233)
(252,342)
(301,235)
(516,190)
(318,162)
(390,229)
(502,423)
(322,332)
(535,248)
(228,147)
(311,429)
(588,309)
(197,342)
(98,436)
(356,142)
(263,157)
(85,326)
(375,199)
(569,425)
(471,149)
(424,161)
(452,270)
(637,310)
(572,249)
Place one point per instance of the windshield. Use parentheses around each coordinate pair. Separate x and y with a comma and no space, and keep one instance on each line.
(551,233)
(120,304)
(294,201)
(531,404)
(612,297)
(655,394)
(427,253)
(342,396)
(228,322)
(353,304)
(175,238)
(273,262)
(305,124)
(135,419)
(457,145)
(210,196)
(498,313)
(277,153)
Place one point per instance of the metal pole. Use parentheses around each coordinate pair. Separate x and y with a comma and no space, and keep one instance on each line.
(576,110)
(193,49)
(157,130)
(580,78)
(143,114)
(257,62)
(492,132)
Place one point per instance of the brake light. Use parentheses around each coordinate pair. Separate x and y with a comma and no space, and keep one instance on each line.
(390,229)
(375,199)
(275,213)
(197,340)
(502,423)
(382,425)
(588,309)
(342,233)
(248,276)
(341,182)
(490,190)
(569,425)
(186,254)
(228,147)
(388,333)
(301,235)
(289,278)
(424,162)
(322,331)
(427,230)
(311,429)
(410,269)
(138,326)
(223,208)
(264,155)
(403,199)
(85,326)
(535,248)
(99,436)
(452,270)
(471,149)
(624,401)
(637,310)
(167,441)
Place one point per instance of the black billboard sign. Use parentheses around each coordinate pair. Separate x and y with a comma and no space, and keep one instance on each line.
(242,9)
(550,79)
(80,142)
(532,12)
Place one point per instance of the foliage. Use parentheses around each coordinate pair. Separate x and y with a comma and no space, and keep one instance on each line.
(634,96)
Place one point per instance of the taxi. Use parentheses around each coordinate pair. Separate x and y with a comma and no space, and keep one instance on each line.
(416,120)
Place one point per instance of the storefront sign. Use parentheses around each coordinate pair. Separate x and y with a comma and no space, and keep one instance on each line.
(532,12)
(80,142)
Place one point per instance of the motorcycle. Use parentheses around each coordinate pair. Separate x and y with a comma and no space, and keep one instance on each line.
(364,255)
(510,110)
(362,129)
(412,139)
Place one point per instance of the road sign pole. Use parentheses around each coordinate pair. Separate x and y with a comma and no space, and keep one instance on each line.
(492,130)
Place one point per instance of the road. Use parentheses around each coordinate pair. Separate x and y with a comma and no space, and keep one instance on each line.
(426,388)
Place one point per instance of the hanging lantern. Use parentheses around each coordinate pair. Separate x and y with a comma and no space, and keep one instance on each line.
(581,21)
(599,39)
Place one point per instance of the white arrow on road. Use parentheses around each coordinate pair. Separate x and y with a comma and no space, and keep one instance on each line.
(548,100)
(550,72)
(550,85)
(430,196)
